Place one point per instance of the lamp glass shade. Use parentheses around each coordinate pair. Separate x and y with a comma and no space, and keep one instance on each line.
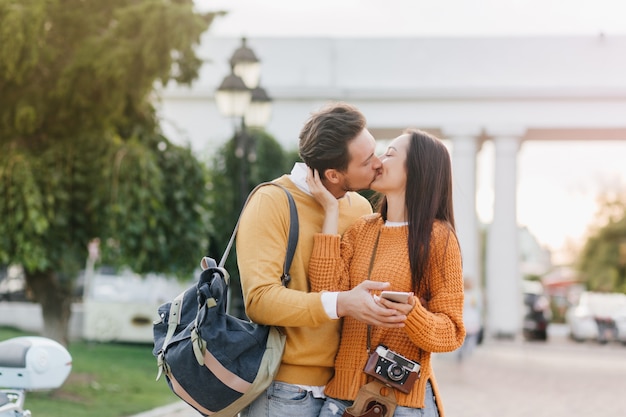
(258,113)
(250,72)
(232,103)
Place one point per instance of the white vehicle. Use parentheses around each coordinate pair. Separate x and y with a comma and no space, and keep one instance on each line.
(598,316)
(29,363)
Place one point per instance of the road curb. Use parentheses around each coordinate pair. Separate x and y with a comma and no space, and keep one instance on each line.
(165,411)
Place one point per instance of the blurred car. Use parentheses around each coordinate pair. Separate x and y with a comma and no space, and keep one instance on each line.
(598,316)
(537,315)
(12,284)
(620,324)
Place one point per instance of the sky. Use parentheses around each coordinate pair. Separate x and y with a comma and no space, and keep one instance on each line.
(416,17)
(558,182)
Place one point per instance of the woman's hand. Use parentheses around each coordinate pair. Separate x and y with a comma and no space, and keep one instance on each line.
(403,308)
(319,191)
(326,200)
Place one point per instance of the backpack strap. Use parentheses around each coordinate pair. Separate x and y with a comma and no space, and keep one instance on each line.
(293,232)
(172,322)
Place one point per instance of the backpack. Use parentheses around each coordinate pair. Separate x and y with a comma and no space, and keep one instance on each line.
(215,362)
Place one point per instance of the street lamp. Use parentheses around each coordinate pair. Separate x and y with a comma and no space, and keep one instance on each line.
(240,96)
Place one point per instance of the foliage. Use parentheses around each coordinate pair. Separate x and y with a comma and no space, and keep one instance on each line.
(81,156)
(532,277)
(227,197)
(74,66)
(157,213)
(603,258)
(110,380)
(51,201)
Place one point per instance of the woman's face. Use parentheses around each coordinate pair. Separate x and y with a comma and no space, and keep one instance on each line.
(392,176)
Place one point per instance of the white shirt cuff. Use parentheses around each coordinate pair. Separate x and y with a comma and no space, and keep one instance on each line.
(329,301)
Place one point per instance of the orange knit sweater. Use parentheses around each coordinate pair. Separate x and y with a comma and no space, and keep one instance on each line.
(342,263)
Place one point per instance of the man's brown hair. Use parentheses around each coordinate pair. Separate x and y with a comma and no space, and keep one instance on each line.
(325,136)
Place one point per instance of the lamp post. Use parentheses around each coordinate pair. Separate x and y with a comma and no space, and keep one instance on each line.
(239,96)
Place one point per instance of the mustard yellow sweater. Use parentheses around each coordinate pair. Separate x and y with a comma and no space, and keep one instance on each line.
(312,337)
(341,264)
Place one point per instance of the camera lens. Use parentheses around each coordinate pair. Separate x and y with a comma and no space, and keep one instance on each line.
(395,372)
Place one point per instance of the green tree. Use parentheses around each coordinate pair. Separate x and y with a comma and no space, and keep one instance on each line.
(81,156)
(603,258)
(227,196)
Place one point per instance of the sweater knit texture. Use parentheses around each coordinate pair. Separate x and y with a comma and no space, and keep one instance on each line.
(343,263)
(312,337)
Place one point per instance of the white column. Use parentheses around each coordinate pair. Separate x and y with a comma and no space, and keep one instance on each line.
(503,275)
(465,145)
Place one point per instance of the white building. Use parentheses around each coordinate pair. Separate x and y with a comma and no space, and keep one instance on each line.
(534,258)
(506,90)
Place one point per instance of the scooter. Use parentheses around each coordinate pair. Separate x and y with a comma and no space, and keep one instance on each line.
(29,363)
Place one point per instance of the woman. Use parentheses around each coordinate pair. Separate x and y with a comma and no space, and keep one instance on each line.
(411,244)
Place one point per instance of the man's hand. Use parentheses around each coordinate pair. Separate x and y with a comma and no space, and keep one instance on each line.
(359,303)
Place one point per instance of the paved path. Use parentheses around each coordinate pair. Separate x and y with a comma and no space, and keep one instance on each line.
(521,379)
(527,379)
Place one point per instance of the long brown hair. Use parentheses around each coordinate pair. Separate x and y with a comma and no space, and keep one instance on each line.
(428,197)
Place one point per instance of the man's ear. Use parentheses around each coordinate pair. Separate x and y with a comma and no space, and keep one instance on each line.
(332,176)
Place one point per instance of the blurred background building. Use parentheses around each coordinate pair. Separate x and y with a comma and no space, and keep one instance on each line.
(468,91)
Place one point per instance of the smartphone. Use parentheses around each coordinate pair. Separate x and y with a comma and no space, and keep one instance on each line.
(396,296)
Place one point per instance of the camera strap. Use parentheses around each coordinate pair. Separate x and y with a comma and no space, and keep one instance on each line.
(377,398)
(369,275)
(374,399)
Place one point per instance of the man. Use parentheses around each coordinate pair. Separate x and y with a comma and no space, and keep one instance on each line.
(335,142)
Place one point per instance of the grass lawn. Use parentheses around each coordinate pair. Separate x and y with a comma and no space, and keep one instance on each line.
(107,380)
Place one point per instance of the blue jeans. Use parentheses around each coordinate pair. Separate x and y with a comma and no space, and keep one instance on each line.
(468,346)
(335,408)
(284,400)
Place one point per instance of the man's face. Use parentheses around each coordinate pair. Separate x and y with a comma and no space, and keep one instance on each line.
(363,165)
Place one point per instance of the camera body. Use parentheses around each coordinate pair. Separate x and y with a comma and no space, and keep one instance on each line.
(392,368)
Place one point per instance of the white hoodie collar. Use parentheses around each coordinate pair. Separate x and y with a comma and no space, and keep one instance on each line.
(298,176)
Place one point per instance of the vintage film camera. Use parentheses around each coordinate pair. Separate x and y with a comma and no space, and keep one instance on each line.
(392,368)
